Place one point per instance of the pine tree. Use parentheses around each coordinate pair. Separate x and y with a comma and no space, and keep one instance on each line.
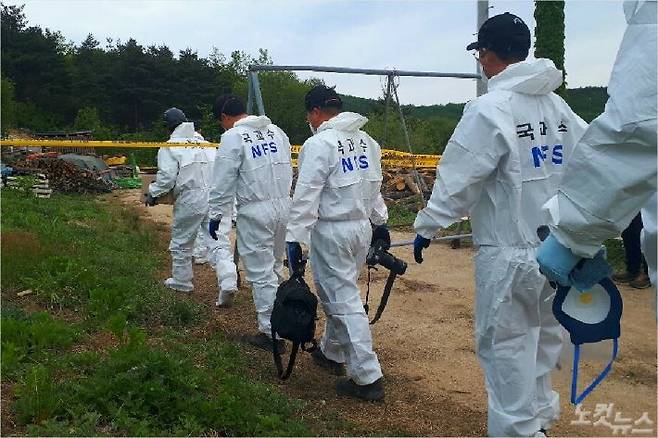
(549,35)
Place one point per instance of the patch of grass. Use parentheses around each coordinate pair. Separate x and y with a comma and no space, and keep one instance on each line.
(25,336)
(136,390)
(102,261)
(615,254)
(400,216)
(78,253)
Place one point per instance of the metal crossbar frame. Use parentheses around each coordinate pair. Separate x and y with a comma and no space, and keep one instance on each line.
(254,84)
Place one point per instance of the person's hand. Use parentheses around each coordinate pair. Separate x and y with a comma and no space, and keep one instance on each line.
(149,200)
(590,272)
(419,244)
(380,232)
(556,261)
(295,261)
(213,226)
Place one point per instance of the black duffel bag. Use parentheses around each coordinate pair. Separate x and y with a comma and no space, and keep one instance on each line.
(293,318)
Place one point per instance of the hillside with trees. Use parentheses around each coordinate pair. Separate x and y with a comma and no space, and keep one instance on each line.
(119,90)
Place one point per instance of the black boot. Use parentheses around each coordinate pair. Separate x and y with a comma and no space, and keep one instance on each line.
(335,368)
(623,277)
(641,281)
(371,392)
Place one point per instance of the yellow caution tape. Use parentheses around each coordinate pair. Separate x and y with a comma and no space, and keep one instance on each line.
(97,144)
(390,157)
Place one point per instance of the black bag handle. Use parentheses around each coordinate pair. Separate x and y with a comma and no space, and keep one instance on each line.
(293,355)
(277,358)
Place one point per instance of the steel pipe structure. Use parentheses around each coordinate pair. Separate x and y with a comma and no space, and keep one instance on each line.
(436,239)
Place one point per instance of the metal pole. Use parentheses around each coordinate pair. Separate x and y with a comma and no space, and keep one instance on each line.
(483,15)
(363,71)
(257,95)
(406,139)
(250,95)
(436,239)
(389,80)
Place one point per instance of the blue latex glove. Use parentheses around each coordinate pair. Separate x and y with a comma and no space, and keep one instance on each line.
(213,226)
(295,262)
(419,243)
(149,200)
(380,232)
(591,272)
(556,261)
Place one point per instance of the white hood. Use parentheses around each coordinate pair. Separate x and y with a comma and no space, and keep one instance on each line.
(538,76)
(254,121)
(345,121)
(184,131)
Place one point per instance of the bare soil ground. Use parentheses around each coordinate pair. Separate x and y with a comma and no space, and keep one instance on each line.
(425,343)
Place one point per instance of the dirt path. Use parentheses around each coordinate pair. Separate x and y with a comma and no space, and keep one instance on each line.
(425,345)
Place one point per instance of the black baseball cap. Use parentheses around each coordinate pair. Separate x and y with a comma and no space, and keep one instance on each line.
(322,96)
(174,117)
(505,34)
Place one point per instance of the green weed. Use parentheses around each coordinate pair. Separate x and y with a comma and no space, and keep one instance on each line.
(37,396)
(23,337)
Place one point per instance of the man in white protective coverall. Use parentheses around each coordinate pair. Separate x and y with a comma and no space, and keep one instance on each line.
(187,171)
(503,161)
(336,199)
(612,172)
(253,165)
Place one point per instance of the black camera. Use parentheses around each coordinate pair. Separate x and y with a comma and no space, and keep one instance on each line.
(377,255)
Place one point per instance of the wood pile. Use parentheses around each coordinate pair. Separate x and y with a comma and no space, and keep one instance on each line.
(402,183)
(124,170)
(64,176)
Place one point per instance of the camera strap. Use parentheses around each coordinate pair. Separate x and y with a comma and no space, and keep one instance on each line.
(366,307)
(387,293)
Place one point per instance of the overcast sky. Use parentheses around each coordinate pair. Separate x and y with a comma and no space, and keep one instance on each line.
(406,35)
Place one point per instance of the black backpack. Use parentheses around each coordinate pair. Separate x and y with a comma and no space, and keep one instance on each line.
(293,318)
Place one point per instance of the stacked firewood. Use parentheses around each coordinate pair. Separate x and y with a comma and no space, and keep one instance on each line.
(64,176)
(403,183)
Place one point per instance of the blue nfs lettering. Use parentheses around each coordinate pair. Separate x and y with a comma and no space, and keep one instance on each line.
(354,162)
(263,149)
(540,154)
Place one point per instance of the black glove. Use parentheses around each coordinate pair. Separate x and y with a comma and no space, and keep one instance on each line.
(380,232)
(295,260)
(149,200)
(213,226)
(420,243)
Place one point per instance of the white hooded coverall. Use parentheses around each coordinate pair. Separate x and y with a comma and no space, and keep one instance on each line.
(253,166)
(336,197)
(188,171)
(612,173)
(503,161)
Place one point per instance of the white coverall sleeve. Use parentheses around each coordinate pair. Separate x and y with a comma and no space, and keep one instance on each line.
(379,215)
(225,176)
(165,179)
(611,175)
(470,157)
(313,173)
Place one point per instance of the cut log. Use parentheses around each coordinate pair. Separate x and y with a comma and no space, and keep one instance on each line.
(411,184)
